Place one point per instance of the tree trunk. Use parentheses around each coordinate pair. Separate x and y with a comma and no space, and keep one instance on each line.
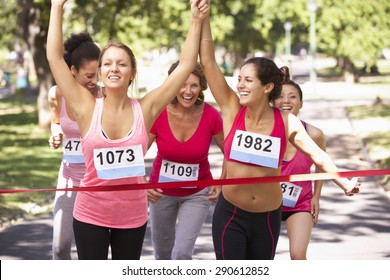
(34,35)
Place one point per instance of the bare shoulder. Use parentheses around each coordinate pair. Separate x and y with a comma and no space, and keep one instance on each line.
(316,133)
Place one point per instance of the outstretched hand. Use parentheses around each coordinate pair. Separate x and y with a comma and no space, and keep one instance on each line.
(355,187)
(200,8)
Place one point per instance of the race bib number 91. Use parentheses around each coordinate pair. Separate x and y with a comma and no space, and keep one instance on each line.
(291,193)
(255,148)
(71,150)
(121,162)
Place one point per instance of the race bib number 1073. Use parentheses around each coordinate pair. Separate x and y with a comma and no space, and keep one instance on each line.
(121,162)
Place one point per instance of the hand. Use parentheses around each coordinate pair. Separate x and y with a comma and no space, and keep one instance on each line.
(354,187)
(214,193)
(154,194)
(55,141)
(200,8)
(314,209)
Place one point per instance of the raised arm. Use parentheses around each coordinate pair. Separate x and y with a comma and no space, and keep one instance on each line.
(226,98)
(155,101)
(75,95)
(298,136)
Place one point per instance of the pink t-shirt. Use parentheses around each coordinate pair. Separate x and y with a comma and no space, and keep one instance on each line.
(193,151)
(71,172)
(299,164)
(116,209)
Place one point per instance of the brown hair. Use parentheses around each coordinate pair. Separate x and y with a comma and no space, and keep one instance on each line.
(268,72)
(129,52)
(198,71)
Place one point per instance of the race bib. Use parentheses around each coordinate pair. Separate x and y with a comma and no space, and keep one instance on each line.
(72,152)
(291,193)
(172,171)
(255,148)
(121,162)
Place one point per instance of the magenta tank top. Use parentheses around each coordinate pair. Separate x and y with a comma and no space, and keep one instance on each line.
(299,164)
(278,131)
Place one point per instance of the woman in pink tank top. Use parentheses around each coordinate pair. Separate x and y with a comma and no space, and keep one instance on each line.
(247,218)
(81,56)
(114,137)
(301,205)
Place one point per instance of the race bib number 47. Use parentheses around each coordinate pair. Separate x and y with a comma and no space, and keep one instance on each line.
(121,162)
(255,149)
(71,150)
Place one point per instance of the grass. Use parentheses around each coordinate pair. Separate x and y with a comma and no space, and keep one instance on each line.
(26,161)
(372,124)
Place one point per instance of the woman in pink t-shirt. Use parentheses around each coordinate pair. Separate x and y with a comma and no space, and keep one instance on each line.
(114,138)
(183,133)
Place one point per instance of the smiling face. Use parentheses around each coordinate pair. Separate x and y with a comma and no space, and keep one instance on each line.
(289,100)
(87,74)
(249,87)
(117,66)
(189,93)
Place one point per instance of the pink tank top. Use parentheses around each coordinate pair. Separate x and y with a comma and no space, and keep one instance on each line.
(72,171)
(299,164)
(278,131)
(104,159)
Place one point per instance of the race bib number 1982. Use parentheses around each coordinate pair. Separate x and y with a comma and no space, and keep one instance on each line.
(255,148)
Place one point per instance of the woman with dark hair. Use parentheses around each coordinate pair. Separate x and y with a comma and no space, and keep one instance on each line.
(82,56)
(183,133)
(247,218)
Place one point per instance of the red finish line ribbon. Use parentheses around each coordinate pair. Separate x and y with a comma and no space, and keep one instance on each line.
(218,182)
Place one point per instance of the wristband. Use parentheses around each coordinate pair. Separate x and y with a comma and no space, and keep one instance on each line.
(56,129)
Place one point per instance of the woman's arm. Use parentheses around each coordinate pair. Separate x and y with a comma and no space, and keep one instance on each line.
(225,96)
(54,98)
(215,191)
(319,138)
(78,98)
(155,101)
(298,136)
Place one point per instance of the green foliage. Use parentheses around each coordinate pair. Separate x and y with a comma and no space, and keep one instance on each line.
(8,10)
(354,29)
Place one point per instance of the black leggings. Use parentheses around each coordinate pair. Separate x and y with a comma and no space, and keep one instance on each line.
(242,235)
(92,242)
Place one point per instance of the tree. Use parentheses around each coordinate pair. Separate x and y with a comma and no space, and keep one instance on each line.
(33,21)
(354,31)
